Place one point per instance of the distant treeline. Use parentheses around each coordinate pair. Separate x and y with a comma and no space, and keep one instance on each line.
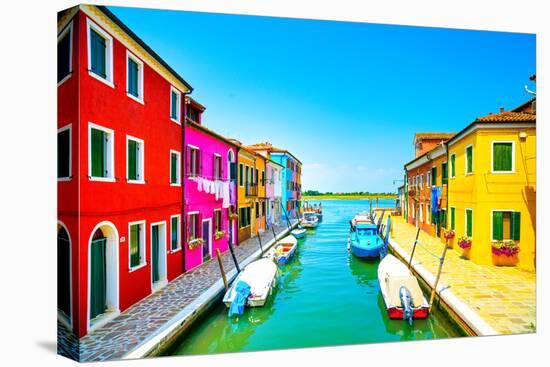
(357,193)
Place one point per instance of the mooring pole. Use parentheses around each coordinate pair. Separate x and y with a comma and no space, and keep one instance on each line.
(274,236)
(441,260)
(286,215)
(260,240)
(220,263)
(230,243)
(414,247)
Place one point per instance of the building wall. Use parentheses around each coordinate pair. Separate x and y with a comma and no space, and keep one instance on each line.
(200,201)
(484,191)
(244,200)
(261,220)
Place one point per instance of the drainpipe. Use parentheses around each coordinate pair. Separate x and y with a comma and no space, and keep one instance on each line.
(182,177)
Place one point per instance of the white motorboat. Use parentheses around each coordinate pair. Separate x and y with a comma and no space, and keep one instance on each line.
(309,220)
(252,286)
(402,294)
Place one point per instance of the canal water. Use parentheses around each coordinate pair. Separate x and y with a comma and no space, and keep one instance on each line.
(324,297)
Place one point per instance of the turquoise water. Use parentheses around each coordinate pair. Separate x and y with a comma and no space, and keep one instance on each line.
(324,297)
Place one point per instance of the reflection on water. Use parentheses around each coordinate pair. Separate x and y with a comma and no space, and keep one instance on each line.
(324,296)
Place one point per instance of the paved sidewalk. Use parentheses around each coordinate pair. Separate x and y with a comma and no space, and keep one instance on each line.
(505,297)
(134,325)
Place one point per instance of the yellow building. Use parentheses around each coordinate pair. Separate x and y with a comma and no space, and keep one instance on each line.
(492,186)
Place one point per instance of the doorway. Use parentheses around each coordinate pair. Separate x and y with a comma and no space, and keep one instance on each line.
(206,239)
(158,255)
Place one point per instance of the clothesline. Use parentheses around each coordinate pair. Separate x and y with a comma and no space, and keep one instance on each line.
(224,190)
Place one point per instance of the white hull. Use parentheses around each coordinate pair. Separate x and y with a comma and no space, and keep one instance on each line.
(261,276)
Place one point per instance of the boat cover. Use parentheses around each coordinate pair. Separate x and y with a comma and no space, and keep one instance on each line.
(393,284)
(242,290)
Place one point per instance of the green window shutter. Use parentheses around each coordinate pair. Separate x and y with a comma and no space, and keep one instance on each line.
(443,219)
(132,77)
(98,48)
(174,229)
(173,168)
(453,218)
(502,157)
(434,176)
(469,223)
(174,104)
(469,159)
(63,153)
(134,245)
(98,153)
(497,226)
(444,173)
(132,160)
(516,225)
(453,160)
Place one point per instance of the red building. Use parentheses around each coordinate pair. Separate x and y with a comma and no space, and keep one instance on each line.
(120,196)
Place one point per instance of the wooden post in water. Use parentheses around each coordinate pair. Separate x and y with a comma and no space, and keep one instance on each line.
(441,260)
(220,263)
(414,247)
(260,240)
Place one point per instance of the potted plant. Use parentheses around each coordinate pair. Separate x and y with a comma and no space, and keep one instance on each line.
(465,244)
(449,235)
(505,252)
(219,234)
(194,243)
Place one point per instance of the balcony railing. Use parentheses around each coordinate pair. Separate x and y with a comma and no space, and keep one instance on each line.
(251,190)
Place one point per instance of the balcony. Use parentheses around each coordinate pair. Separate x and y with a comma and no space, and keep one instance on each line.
(251,190)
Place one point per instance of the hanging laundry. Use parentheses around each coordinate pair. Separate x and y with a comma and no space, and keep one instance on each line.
(232,193)
(225,195)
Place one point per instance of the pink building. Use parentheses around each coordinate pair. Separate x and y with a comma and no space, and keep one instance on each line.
(210,190)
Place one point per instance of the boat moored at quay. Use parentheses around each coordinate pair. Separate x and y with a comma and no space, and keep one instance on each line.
(364,241)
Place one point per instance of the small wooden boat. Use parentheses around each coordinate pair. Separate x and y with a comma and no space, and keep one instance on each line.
(299,232)
(364,240)
(252,286)
(309,220)
(400,290)
(285,249)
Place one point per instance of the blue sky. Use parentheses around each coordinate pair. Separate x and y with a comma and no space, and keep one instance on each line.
(345,98)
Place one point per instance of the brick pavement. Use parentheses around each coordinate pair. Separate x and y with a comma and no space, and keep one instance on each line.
(122,334)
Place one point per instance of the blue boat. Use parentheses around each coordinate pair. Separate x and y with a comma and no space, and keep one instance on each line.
(364,241)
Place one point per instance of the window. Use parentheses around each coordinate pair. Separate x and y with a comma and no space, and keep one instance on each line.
(246,177)
(134,77)
(257,210)
(217,166)
(503,157)
(433,175)
(100,54)
(444,173)
(218,220)
(453,218)
(175,104)
(240,174)
(421,215)
(193,227)
(65,54)
(469,223)
(137,244)
(175,232)
(101,157)
(194,166)
(453,165)
(429,179)
(244,217)
(429,217)
(469,159)
(421,181)
(175,170)
(256,177)
(134,160)
(506,225)
(263,178)
(64,153)
(263,208)
(443,218)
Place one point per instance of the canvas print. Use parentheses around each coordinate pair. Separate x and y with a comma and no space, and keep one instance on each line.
(232,183)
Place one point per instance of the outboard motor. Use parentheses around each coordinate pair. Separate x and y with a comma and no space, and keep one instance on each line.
(407,304)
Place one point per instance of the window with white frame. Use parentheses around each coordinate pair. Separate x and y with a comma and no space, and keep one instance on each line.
(421,214)
(194,164)
(218,224)
(101,153)
(65,53)
(469,161)
(175,170)
(175,232)
(193,227)
(175,105)
(137,244)
(100,53)
(134,77)
(217,166)
(502,157)
(134,160)
(506,225)
(429,179)
(453,165)
(64,159)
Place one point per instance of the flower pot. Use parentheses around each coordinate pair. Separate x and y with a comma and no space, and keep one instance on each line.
(466,252)
(504,260)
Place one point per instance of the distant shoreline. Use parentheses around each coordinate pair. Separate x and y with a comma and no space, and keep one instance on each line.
(347,197)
